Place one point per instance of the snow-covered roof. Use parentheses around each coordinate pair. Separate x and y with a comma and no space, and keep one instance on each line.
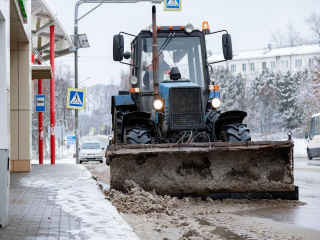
(266,53)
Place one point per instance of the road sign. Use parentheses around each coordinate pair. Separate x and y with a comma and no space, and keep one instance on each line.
(71,140)
(74,132)
(76,98)
(172,5)
(40,103)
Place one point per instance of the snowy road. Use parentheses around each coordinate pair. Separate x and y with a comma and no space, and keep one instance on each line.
(307,177)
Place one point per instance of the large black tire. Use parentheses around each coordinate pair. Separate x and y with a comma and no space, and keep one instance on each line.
(211,119)
(235,132)
(309,155)
(137,135)
(120,115)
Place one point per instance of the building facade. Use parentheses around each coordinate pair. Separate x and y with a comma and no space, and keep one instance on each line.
(279,59)
(15,95)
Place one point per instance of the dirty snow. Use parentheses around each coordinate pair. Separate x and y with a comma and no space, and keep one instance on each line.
(78,194)
(162,217)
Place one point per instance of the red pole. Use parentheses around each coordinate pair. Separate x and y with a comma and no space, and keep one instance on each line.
(40,119)
(52,98)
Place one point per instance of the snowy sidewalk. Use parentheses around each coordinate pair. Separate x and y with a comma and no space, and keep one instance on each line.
(61,202)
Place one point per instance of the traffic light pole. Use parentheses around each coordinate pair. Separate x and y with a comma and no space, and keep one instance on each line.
(76,76)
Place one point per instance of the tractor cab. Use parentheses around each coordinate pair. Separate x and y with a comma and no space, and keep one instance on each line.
(180,48)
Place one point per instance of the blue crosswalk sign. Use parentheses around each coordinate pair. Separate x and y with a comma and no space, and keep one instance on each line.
(76,98)
(172,5)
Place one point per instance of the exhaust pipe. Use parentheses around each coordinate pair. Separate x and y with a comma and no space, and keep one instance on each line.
(155,62)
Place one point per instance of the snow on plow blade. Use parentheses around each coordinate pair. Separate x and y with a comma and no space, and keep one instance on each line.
(219,170)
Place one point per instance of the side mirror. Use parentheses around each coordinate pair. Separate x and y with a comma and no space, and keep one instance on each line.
(102,148)
(306,135)
(79,149)
(118,43)
(227,46)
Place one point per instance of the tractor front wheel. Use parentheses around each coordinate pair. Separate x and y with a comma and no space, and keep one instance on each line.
(235,132)
(137,135)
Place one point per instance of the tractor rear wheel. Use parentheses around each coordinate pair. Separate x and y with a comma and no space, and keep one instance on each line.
(137,135)
(210,120)
(235,132)
(119,117)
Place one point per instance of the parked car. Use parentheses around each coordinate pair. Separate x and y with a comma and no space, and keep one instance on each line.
(91,151)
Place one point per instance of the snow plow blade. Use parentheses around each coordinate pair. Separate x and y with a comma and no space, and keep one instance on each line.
(260,170)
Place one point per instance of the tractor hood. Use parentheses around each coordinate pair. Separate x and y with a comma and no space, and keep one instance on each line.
(166,86)
(183,104)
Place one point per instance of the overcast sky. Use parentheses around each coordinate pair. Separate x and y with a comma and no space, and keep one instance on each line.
(250,23)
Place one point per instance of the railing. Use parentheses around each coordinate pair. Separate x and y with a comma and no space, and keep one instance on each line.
(39,57)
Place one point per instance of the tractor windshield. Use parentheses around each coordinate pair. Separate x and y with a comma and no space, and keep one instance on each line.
(181,52)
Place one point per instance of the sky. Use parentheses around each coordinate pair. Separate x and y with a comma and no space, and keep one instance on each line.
(250,23)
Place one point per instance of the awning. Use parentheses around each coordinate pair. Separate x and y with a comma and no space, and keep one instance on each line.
(42,19)
(41,72)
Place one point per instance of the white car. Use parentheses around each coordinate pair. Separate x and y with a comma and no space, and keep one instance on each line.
(91,151)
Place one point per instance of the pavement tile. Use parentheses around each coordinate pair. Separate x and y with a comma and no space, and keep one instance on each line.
(33,213)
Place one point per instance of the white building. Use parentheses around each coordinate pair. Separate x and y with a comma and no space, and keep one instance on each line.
(277,59)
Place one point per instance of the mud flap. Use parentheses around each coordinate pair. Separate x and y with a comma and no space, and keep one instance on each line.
(203,169)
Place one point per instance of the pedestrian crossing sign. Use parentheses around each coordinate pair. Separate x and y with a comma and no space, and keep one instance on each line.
(76,98)
(172,5)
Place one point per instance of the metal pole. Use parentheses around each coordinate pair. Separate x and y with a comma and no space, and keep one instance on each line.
(155,62)
(52,98)
(76,84)
(62,138)
(40,120)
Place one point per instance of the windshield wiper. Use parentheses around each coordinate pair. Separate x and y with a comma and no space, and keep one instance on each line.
(166,42)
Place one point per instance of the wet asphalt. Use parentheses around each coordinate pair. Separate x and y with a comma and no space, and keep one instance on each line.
(307,178)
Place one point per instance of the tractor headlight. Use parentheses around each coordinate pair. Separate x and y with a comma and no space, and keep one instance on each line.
(157,104)
(133,80)
(189,28)
(216,102)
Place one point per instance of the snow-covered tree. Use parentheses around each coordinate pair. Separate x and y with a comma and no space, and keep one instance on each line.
(263,92)
(287,91)
(231,89)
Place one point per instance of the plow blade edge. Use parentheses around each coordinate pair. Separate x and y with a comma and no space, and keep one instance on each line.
(219,170)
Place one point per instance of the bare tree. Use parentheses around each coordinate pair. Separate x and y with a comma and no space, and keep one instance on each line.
(313,21)
(288,38)
(292,36)
(124,76)
(278,38)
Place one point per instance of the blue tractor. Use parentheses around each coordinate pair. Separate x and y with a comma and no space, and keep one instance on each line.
(169,134)
(181,105)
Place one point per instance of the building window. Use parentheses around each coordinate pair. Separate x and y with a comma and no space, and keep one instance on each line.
(244,67)
(284,64)
(233,68)
(251,67)
(273,65)
(264,65)
(310,61)
(298,63)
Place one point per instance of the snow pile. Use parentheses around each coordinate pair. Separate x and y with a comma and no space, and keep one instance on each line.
(138,201)
(195,234)
(300,148)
